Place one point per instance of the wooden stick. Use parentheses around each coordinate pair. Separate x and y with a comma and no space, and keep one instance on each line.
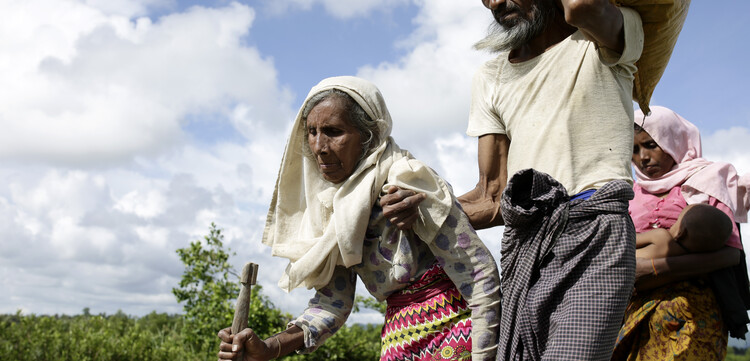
(248,277)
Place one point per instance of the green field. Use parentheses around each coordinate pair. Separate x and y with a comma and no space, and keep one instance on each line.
(154,337)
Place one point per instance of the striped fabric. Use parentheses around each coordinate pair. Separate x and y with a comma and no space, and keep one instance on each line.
(429,320)
(567,269)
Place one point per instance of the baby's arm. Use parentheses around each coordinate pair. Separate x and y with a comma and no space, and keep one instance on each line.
(653,243)
(652,236)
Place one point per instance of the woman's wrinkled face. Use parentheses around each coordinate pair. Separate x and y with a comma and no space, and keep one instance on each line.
(649,157)
(335,143)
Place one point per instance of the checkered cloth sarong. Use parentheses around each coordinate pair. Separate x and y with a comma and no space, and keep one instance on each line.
(567,269)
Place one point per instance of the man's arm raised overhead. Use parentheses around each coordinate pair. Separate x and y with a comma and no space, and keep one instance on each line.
(599,20)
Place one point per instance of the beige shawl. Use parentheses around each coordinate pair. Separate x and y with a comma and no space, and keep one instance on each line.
(318,225)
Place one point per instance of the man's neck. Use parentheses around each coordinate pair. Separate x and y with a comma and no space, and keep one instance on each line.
(555,32)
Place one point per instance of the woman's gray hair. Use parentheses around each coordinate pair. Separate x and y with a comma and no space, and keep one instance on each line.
(368,129)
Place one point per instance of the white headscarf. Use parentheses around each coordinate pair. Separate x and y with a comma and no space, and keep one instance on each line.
(317,224)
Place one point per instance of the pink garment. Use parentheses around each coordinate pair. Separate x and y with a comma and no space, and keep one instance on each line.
(699,179)
(649,211)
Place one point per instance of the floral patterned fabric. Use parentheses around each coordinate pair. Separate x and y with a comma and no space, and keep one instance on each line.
(680,321)
(393,260)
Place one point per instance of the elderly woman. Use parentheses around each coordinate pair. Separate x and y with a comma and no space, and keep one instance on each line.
(326,219)
(674,313)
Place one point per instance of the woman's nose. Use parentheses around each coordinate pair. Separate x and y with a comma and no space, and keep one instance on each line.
(320,144)
(644,154)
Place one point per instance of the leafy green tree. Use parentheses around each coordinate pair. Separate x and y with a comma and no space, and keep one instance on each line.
(369,302)
(209,288)
(206,290)
(264,318)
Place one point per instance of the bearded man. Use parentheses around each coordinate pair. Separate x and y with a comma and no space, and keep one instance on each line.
(554,111)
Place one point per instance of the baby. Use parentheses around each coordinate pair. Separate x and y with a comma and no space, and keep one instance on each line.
(699,228)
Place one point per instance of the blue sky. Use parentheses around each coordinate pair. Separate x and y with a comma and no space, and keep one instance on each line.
(130,125)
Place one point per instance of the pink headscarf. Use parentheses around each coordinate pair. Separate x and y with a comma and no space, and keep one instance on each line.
(698,178)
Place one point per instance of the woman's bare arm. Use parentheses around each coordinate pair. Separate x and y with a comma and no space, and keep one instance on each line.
(671,269)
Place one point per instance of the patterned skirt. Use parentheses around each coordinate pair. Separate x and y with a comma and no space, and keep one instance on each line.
(428,320)
(680,321)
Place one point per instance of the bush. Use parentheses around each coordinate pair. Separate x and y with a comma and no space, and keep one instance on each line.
(737,354)
(208,293)
(154,337)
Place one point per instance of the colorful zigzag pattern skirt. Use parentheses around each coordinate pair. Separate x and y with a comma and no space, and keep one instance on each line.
(428,320)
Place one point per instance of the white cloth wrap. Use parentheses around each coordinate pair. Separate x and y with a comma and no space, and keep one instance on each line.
(317,224)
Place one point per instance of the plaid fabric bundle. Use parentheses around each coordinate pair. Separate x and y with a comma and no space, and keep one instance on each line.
(567,269)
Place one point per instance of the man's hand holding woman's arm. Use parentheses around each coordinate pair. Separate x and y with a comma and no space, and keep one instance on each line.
(400,206)
(482,204)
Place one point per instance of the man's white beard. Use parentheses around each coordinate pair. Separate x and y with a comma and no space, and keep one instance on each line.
(502,39)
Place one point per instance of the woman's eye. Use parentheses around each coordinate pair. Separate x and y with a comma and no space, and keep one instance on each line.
(333,132)
(635,150)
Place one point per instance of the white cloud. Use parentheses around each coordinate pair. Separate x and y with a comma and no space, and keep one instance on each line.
(88,84)
(457,157)
(729,145)
(429,89)
(114,88)
(128,8)
(120,89)
(90,87)
(87,239)
(146,205)
(342,9)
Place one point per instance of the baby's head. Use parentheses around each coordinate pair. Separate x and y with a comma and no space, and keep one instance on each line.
(702,228)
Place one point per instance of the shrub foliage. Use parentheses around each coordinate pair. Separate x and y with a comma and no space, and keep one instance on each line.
(207,291)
